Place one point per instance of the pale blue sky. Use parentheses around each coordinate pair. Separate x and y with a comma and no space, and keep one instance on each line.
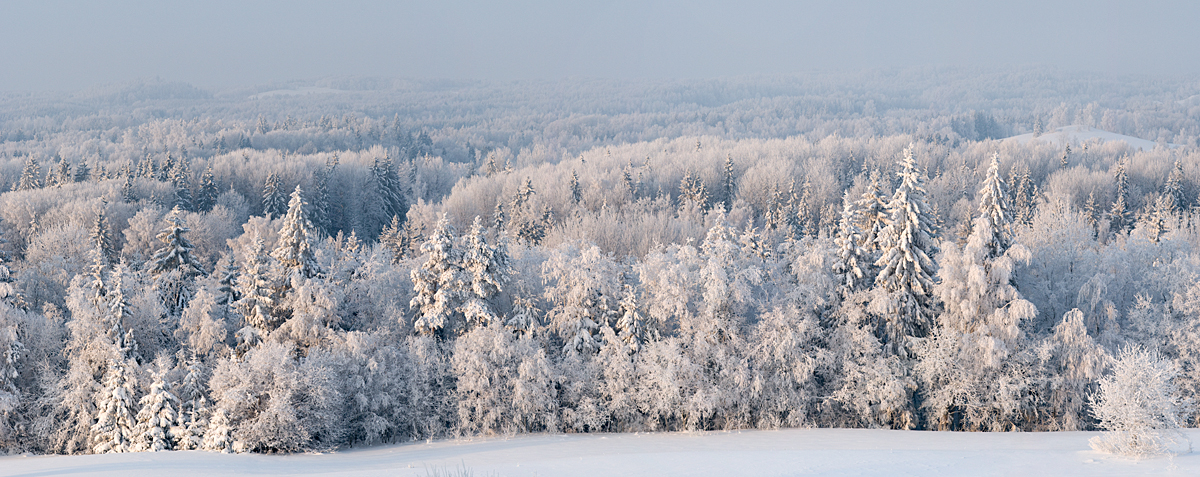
(218,44)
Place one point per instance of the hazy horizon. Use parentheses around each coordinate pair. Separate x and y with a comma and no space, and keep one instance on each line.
(222,45)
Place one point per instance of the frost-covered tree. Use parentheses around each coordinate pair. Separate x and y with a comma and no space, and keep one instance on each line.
(202,325)
(101,235)
(728,182)
(155,420)
(1120,215)
(387,194)
(320,212)
(59,174)
(524,318)
(274,199)
(905,265)
(206,198)
(29,175)
(971,377)
(573,189)
(1072,362)
(218,436)
(10,351)
(852,256)
(193,409)
(226,293)
(488,269)
(994,207)
(395,239)
(275,402)
(1139,405)
(629,327)
(181,178)
(584,286)
(295,247)
(113,431)
(692,191)
(440,285)
(503,384)
(872,215)
(1157,221)
(255,286)
(173,265)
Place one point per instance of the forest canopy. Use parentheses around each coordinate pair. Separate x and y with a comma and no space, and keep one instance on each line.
(307,266)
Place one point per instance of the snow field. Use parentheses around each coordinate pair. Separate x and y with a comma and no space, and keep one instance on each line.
(749,453)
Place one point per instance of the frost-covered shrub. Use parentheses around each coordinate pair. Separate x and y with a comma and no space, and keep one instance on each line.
(1139,407)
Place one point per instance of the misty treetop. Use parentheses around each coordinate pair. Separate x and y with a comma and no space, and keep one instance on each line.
(281,274)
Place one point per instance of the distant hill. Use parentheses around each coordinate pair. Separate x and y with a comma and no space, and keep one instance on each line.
(1077,134)
(145,90)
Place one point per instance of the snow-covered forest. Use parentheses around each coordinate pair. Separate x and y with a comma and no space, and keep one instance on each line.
(358,260)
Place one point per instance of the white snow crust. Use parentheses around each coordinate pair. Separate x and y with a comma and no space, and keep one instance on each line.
(1076,135)
(749,453)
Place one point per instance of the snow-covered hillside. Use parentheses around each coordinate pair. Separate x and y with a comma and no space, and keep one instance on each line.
(751,453)
(1076,135)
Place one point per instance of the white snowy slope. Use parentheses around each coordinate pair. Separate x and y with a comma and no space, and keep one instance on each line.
(749,453)
(1076,135)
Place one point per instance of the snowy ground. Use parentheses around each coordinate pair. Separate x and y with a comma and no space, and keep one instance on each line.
(750,453)
(1076,135)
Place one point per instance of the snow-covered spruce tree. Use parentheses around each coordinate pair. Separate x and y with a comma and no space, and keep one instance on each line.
(440,285)
(274,201)
(395,240)
(155,420)
(573,189)
(970,374)
(728,182)
(96,340)
(994,206)
(386,196)
(206,198)
(872,216)
(29,175)
(114,428)
(321,209)
(295,248)
(257,302)
(226,293)
(852,256)
(1157,220)
(101,234)
(1119,215)
(629,326)
(905,280)
(487,267)
(524,320)
(173,265)
(193,409)
(180,176)
(218,437)
(83,173)
(1174,189)
(1139,405)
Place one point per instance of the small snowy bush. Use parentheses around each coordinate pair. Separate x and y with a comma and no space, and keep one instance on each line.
(1138,404)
